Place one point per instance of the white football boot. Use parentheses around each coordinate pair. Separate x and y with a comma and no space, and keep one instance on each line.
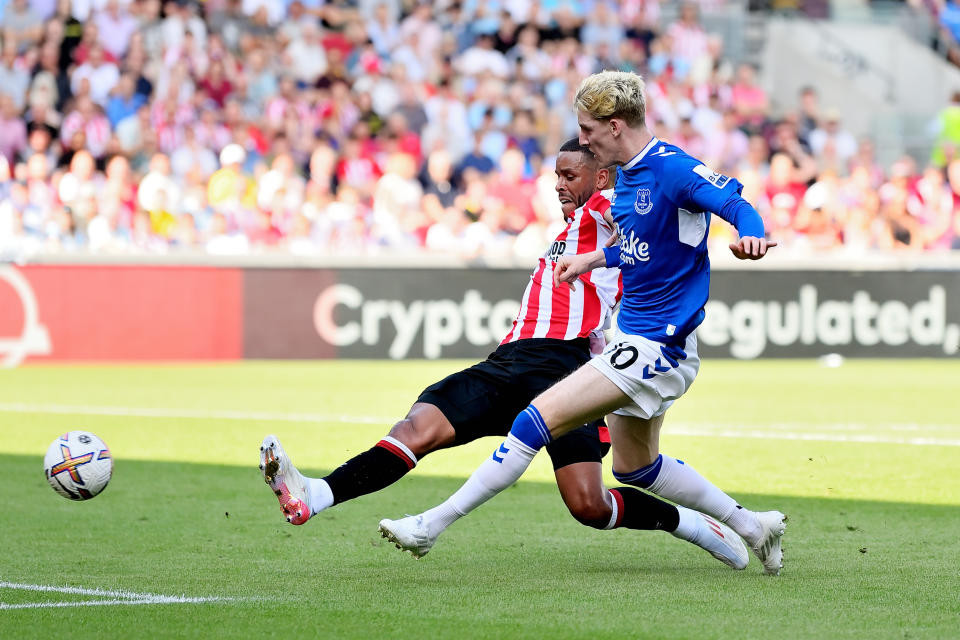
(288,484)
(773,524)
(721,542)
(409,534)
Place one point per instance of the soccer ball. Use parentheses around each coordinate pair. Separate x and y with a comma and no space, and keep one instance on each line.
(78,465)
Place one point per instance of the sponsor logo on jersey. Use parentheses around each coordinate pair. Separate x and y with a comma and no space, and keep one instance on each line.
(557,249)
(632,250)
(716,179)
(644,203)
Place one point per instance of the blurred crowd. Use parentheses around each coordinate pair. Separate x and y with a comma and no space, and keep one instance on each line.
(360,127)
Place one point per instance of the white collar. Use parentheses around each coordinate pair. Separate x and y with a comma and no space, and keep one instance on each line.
(637,158)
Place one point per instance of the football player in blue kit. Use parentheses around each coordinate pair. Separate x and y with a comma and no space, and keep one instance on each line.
(662,206)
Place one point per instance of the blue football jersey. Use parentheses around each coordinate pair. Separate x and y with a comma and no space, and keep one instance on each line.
(662,205)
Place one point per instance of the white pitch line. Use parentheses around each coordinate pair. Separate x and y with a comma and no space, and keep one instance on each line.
(81,591)
(109,597)
(98,603)
(788,431)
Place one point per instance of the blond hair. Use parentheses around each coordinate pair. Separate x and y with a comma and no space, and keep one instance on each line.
(613,94)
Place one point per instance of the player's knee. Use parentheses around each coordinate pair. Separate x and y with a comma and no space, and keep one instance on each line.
(419,436)
(590,510)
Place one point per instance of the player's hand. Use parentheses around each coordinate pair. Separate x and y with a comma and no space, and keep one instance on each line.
(751,248)
(569,268)
(614,239)
(566,270)
(608,218)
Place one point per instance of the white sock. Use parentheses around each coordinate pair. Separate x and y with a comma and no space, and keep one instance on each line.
(495,474)
(321,497)
(680,483)
(689,524)
(745,523)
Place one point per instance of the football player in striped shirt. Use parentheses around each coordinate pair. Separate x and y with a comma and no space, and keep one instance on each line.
(662,205)
(550,338)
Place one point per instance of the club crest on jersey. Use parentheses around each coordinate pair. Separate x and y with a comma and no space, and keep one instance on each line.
(644,203)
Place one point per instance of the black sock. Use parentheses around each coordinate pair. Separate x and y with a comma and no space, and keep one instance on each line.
(372,470)
(640,510)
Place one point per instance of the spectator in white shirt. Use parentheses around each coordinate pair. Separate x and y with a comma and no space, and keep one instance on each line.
(482,58)
(406,55)
(308,59)
(158,191)
(180,19)
(115,27)
(83,9)
(531,62)
(275,9)
(383,31)
(192,157)
(427,34)
(843,144)
(368,9)
(297,18)
(13,80)
(44,8)
(102,75)
(21,25)
(603,26)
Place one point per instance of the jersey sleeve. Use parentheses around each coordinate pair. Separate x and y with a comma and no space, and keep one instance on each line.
(692,186)
(598,206)
(695,187)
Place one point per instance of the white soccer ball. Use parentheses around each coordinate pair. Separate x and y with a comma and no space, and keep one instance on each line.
(78,465)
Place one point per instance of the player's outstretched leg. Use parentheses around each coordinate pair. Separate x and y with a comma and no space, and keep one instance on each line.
(289,485)
(634,509)
(677,481)
(592,504)
(418,533)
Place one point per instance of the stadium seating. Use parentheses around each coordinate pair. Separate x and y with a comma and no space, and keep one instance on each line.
(322,128)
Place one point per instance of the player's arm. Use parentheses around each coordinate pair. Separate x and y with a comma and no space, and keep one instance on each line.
(569,268)
(753,243)
(698,188)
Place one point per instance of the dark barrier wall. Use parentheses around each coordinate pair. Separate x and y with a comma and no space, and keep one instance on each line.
(799,314)
(378,313)
(177,313)
(413,313)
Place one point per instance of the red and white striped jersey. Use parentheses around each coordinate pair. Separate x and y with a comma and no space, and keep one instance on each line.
(562,312)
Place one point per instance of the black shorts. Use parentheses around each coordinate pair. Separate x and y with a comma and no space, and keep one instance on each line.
(484,399)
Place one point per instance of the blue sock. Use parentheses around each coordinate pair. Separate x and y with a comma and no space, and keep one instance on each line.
(527,436)
(530,429)
(642,477)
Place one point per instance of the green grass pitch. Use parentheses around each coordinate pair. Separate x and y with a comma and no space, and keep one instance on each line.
(865,459)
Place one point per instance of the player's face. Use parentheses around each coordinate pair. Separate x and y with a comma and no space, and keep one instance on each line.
(576,180)
(597,135)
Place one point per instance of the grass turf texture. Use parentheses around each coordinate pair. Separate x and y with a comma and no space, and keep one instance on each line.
(871,547)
